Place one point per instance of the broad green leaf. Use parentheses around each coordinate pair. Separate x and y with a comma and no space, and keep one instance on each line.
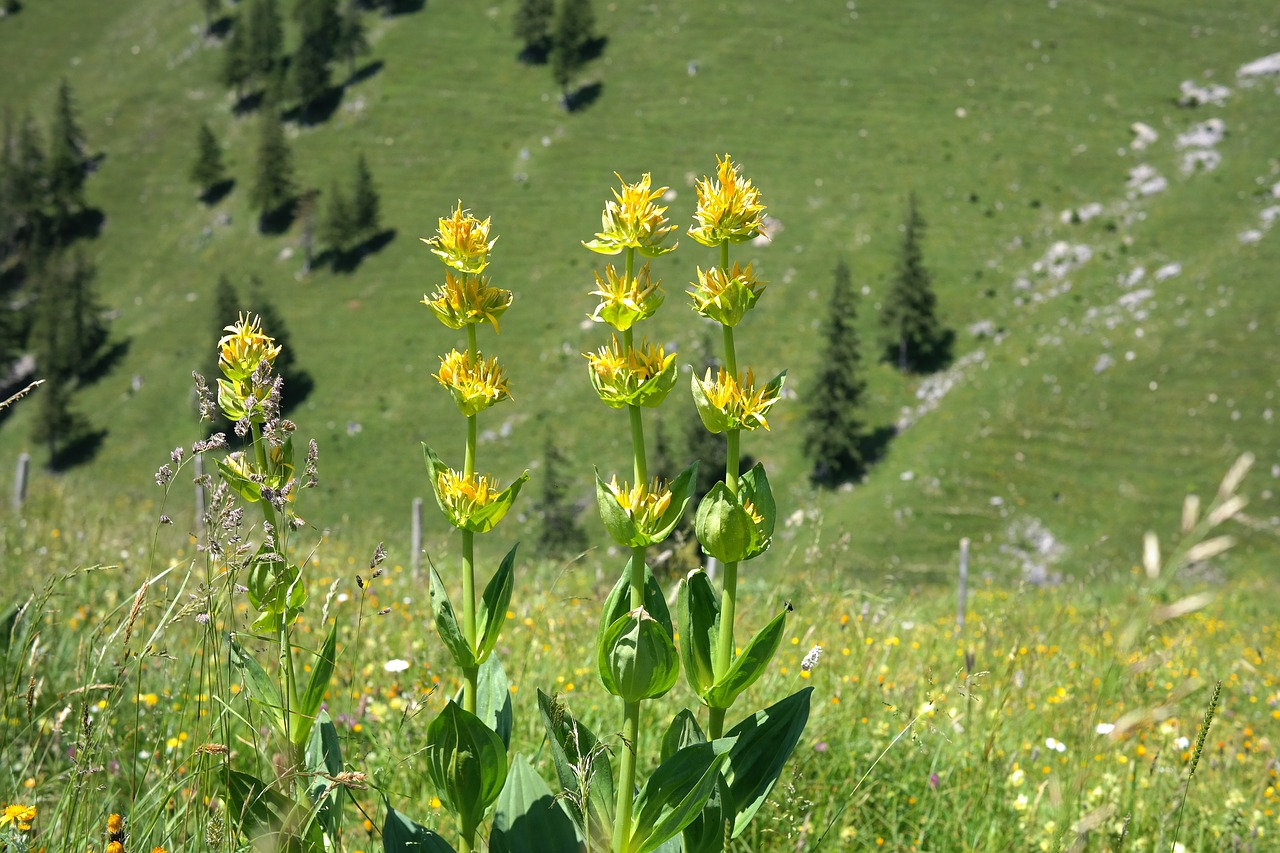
(712,418)
(637,658)
(683,731)
(493,698)
(248,489)
(261,688)
(313,697)
(324,759)
(493,605)
(487,517)
(706,832)
(749,665)
(269,819)
(618,604)
(447,625)
(629,532)
(467,762)
(615,518)
(653,391)
(583,767)
(698,610)
(402,835)
(527,818)
(763,742)
(754,486)
(675,793)
(9,628)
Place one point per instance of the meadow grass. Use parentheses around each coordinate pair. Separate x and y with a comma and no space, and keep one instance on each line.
(924,735)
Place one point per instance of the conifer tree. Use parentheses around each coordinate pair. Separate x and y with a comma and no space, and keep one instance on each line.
(560,534)
(916,339)
(207,170)
(352,41)
(265,38)
(574,29)
(66,156)
(533,27)
(237,65)
(273,177)
(336,225)
(55,423)
(310,65)
(834,431)
(67,330)
(365,205)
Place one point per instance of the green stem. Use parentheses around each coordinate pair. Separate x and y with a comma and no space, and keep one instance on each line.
(730,353)
(469,674)
(729,588)
(724,256)
(626,777)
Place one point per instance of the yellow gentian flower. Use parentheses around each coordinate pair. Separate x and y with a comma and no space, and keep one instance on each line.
(729,207)
(19,815)
(726,296)
(241,351)
(731,402)
(639,376)
(476,384)
(624,303)
(632,220)
(467,299)
(643,503)
(462,241)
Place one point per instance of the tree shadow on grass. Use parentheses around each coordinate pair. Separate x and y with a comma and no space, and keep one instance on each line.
(248,103)
(594,48)
(583,97)
(217,192)
(84,224)
(277,221)
(347,261)
(79,450)
(875,444)
(392,8)
(364,72)
(872,447)
(219,28)
(939,357)
(105,361)
(317,111)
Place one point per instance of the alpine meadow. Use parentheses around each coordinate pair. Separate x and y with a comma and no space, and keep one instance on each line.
(570,425)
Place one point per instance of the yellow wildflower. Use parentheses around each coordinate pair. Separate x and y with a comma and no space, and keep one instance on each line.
(115,847)
(632,220)
(115,827)
(638,376)
(729,208)
(623,302)
(644,504)
(19,815)
(467,299)
(476,384)
(726,295)
(462,241)
(730,402)
(464,495)
(245,348)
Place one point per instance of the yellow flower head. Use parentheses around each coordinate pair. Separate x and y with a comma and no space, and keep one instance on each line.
(644,504)
(241,351)
(624,303)
(18,815)
(729,208)
(726,296)
(462,241)
(734,403)
(115,827)
(476,384)
(464,495)
(632,220)
(467,299)
(115,847)
(640,376)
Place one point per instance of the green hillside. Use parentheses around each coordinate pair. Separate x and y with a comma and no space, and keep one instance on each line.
(1084,411)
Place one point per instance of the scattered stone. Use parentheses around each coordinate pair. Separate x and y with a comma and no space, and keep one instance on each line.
(1081,214)
(934,388)
(1194,96)
(1104,362)
(1206,134)
(1144,181)
(1134,276)
(1168,271)
(1201,160)
(1143,135)
(1269,215)
(1062,258)
(1034,549)
(285,254)
(1253,235)
(982,329)
(1264,67)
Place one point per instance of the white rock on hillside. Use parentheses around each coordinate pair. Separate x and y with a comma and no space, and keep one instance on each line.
(1263,67)
(1206,134)
(1143,135)
(1194,96)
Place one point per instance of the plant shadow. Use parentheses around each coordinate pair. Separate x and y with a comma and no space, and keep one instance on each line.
(79,450)
(317,111)
(583,97)
(248,103)
(364,72)
(348,260)
(105,361)
(217,192)
(277,221)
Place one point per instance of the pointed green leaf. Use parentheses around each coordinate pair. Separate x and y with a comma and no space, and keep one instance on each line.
(434,469)
(324,759)
(402,835)
(754,486)
(493,698)
(261,688)
(487,517)
(269,819)
(618,604)
(583,768)
(637,658)
(615,518)
(698,610)
(321,672)
(712,418)
(764,742)
(493,605)
(528,819)
(656,388)
(706,832)
(447,624)
(675,794)
(239,483)
(467,763)
(749,665)
(683,731)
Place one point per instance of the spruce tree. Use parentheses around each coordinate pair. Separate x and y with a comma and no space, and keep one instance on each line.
(265,39)
(352,40)
(533,27)
(915,338)
(55,423)
(67,331)
(237,65)
(273,177)
(574,26)
(309,68)
(207,170)
(66,156)
(834,431)
(364,202)
(560,534)
(336,227)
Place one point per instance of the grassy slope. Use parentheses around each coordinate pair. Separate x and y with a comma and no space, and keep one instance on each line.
(837,119)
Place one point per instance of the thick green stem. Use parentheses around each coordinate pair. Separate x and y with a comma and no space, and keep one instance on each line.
(469,617)
(626,778)
(730,353)
(724,642)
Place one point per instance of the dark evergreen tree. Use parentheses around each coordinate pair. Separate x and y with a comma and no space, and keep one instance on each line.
(66,156)
(55,423)
(561,534)
(265,38)
(309,68)
(533,27)
(574,29)
(352,41)
(237,64)
(915,338)
(273,177)
(364,202)
(337,226)
(67,331)
(207,170)
(834,431)
(9,210)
